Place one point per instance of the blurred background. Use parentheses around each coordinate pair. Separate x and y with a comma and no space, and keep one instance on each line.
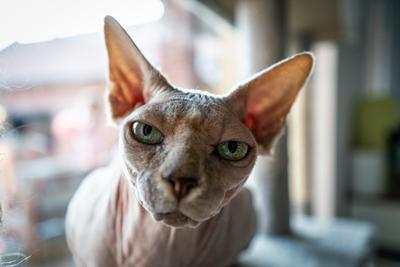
(330,197)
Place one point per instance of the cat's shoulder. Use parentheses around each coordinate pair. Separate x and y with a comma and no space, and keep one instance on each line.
(96,187)
(92,206)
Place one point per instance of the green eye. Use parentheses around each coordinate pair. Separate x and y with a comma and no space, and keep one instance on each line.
(232,150)
(146,134)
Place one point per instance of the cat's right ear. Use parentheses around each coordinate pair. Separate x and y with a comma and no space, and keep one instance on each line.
(132,80)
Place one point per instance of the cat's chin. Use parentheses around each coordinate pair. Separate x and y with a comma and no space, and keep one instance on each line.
(176,219)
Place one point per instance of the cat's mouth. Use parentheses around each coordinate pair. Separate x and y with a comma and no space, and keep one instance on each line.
(175,219)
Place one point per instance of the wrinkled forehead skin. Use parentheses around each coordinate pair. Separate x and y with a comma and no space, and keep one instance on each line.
(193,124)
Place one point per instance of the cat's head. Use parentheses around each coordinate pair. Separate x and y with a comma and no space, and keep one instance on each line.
(187,152)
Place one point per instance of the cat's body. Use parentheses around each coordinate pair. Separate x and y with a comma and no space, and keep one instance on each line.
(122,233)
(174,197)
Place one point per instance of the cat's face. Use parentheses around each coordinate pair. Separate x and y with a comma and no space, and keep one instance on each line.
(187,153)
(195,136)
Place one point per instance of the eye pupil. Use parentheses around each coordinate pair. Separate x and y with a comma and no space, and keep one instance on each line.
(232,150)
(232,146)
(147,129)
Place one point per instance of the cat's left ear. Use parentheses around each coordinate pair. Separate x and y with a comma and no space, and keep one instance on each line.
(132,80)
(264,101)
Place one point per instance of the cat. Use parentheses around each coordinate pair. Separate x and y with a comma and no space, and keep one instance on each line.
(174,196)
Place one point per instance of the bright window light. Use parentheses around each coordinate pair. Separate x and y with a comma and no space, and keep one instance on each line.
(27,21)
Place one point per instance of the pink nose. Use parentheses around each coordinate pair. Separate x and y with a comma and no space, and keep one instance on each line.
(182,185)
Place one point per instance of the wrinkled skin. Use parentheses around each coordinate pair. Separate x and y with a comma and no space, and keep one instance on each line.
(130,213)
(193,125)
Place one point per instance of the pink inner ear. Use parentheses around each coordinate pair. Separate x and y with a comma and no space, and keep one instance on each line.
(136,100)
(140,100)
(249,121)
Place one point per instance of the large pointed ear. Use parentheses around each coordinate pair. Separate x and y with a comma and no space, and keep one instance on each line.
(264,101)
(132,80)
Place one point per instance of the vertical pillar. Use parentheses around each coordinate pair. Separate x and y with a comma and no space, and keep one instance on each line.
(261,28)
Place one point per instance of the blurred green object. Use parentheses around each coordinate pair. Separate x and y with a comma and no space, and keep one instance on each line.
(375,118)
